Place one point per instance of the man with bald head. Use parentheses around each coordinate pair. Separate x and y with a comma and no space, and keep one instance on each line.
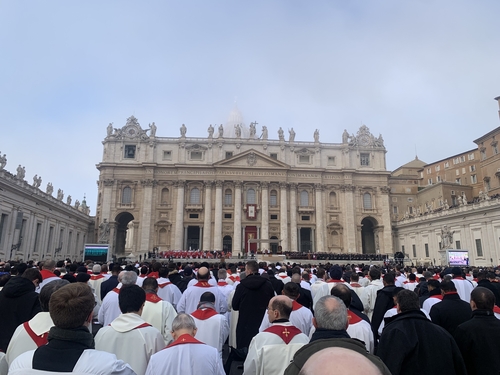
(191,296)
(271,350)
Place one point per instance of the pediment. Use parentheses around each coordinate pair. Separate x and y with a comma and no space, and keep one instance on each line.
(251,159)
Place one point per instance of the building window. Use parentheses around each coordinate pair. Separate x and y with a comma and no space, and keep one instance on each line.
(426,250)
(364,159)
(367,201)
(250,196)
(3,220)
(437,168)
(414,248)
(129,152)
(458,181)
(304,198)
(165,196)
(167,155)
(394,209)
(495,148)
(304,159)
(229,154)
(429,171)
(470,156)
(487,184)
(305,217)
(228,197)
(447,164)
(273,198)
(274,217)
(438,178)
(194,196)
(193,216)
(473,179)
(463,170)
(333,199)
(273,156)
(479,248)
(331,160)
(429,181)
(228,216)
(457,245)
(196,155)
(483,154)
(127,195)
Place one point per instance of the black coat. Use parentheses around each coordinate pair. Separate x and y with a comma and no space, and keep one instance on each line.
(18,303)
(477,339)
(108,285)
(491,286)
(305,298)
(277,285)
(410,342)
(450,312)
(383,303)
(251,299)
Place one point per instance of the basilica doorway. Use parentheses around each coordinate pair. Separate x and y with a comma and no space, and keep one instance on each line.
(368,235)
(274,246)
(122,220)
(193,238)
(250,234)
(305,240)
(227,244)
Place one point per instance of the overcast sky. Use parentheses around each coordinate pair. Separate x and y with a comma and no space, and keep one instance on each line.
(421,73)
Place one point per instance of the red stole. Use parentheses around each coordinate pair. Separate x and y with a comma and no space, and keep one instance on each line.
(234,278)
(143,325)
(335,281)
(448,293)
(47,274)
(203,284)
(156,275)
(356,285)
(96,277)
(116,290)
(283,277)
(184,339)
(204,314)
(438,296)
(151,297)
(353,318)
(296,305)
(39,340)
(221,283)
(287,333)
(163,285)
(496,309)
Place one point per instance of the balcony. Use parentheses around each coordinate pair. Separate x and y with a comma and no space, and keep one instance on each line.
(306,209)
(193,207)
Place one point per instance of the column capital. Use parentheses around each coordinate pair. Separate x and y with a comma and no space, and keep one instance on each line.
(108,182)
(179,183)
(219,183)
(293,185)
(318,187)
(208,184)
(283,185)
(264,185)
(149,182)
(238,184)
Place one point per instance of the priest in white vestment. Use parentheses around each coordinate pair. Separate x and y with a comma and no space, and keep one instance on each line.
(271,351)
(168,291)
(110,308)
(129,337)
(160,314)
(186,354)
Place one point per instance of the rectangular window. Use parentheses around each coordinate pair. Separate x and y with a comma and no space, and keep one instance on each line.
(458,181)
(472,168)
(304,159)
(463,170)
(473,179)
(437,168)
(3,222)
(414,248)
(193,216)
(426,250)
(479,248)
(364,159)
(196,155)
(273,200)
(129,152)
(495,149)
(49,242)
(439,179)
(483,155)
(429,171)
(305,218)
(331,160)
(228,198)
(446,164)
(229,154)
(167,155)
(429,181)
(228,216)
(274,217)
(471,156)
(457,245)
(273,156)
(395,209)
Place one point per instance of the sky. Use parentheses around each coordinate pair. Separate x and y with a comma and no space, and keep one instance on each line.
(422,73)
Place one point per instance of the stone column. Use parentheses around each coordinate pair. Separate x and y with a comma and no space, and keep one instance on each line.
(265,215)
(385,236)
(237,217)
(349,223)
(218,216)
(320,223)
(179,217)
(293,217)
(147,209)
(207,223)
(283,216)
(106,199)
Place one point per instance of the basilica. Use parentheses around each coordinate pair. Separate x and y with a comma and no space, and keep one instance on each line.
(237,189)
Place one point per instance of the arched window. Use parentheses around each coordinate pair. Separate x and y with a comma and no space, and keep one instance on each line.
(194,197)
(164,196)
(127,195)
(250,196)
(304,198)
(333,199)
(228,197)
(273,198)
(367,201)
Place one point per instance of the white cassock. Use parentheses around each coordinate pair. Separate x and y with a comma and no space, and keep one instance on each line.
(464,288)
(364,281)
(45,282)
(140,280)
(400,280)
(131,339)
(319,289)
(332,283)
(358,288)
(4,366)
(226,290)
(283,276)
(110,309)
(301,317)
(370,295)
(213,328)
(392,312)
(29,336)
(95,282)
(360,329)
(186,355)
(410,285)
(168,292)
(233,280)
(233,320)
(211,281)
(160,315)
(91,361)
(431,301)
(191,297)
(271,351)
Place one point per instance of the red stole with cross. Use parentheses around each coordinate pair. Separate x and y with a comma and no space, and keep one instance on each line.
(184,339)
(287,333)
(203,284)
(151,297)
(204,314)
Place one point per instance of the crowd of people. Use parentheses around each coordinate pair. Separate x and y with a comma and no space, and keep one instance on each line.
(247,317)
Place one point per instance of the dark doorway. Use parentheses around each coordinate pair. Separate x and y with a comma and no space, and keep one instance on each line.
(122,221)
(227,244)
(368,236)
(305,240)
(193,238)
(274,246)
(250,234)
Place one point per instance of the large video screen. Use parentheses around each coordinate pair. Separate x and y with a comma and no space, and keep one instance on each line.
(96,252)
(458,258)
